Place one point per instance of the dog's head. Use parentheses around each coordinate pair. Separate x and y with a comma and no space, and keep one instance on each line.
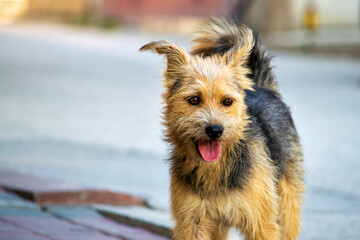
(205,112)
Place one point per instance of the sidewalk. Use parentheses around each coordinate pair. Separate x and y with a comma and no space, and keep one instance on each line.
(21,219)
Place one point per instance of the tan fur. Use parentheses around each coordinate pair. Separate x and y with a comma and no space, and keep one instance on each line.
(291,190)
(263,209)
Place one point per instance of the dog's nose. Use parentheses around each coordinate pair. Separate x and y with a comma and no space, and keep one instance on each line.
(214,131)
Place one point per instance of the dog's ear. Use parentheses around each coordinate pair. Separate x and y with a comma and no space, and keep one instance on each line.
(176,56)
(177,59)
(237,58)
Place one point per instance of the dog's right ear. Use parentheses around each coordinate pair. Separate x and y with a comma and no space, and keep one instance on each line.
(177,59)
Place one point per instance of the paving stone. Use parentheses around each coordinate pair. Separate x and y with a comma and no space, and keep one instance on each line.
(157,222)
(45,191)
(42,223)
(10,231)
(89,217)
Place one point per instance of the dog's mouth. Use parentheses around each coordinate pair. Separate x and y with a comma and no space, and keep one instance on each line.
(209,150)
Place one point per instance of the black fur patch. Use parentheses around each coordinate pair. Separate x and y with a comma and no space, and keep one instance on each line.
(241,167)
(273,118)
(260,65)
(190,178)
(176,86)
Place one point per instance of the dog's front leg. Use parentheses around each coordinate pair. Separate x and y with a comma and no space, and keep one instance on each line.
(260,210)
(189,212)
(193,229)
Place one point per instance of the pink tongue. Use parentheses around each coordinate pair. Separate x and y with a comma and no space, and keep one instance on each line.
(210,150)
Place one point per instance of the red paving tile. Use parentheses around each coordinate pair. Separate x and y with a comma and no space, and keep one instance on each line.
(86,196)
(45,191)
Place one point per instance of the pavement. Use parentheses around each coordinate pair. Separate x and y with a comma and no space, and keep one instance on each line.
(83,106)
(21,219)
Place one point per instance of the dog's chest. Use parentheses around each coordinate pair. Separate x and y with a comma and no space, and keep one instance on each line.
(226,208)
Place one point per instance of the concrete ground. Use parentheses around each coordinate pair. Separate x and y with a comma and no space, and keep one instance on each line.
(84,106)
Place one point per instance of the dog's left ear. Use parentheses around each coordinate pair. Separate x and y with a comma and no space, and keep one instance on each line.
(237,58)
(177,59)
(176,56)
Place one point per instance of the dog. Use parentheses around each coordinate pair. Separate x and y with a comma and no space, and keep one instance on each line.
(236,160)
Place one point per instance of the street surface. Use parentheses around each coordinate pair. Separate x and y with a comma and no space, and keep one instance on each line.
(84,106)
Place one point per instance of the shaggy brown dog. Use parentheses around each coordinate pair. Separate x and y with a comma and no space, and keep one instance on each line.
(236,158)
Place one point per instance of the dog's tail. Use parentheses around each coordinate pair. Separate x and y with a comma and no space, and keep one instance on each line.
(219,36)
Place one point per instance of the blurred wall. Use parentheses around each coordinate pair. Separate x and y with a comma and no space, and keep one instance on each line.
(57,7)
(289,14)
(12,9)
(335,12)
(271,14)
(136,9)
(263,15)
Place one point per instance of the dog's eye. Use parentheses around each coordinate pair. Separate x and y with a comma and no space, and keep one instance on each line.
(195,100)
(227,102)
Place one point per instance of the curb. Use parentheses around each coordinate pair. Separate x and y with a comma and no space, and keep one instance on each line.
(154,221)
(52,192)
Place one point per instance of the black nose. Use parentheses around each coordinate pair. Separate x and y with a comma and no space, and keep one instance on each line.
(214,131)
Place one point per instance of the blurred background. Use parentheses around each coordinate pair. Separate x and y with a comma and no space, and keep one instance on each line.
(79,103)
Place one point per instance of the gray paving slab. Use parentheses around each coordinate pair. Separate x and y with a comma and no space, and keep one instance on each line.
(43,225)
(88,216)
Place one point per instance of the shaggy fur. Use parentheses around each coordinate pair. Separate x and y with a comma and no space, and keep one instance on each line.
(256,185)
